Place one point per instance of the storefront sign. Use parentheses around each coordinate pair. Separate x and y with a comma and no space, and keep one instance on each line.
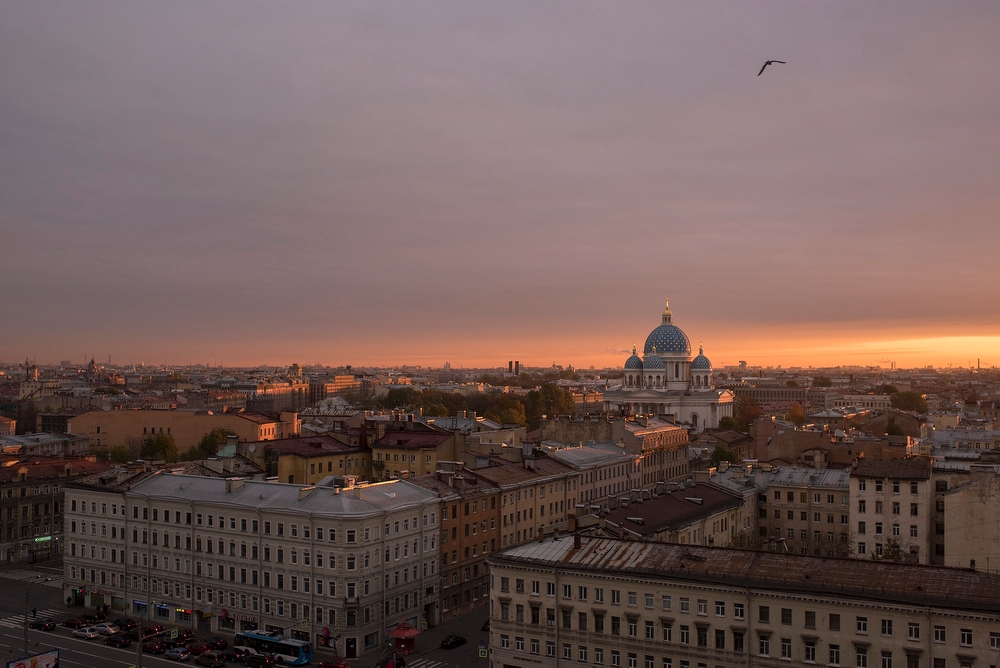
(326,632)
(43,539)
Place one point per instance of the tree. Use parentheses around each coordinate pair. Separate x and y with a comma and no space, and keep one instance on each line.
(721,454)
(209,445)
(549,399)
(892,552)
(822,381)
(160,446)
(728,422)
(401,397)
(909,401)
(745,410)
(886,388)
(435,410)
(796,414)
(791,383)
(119,454)
(27,417)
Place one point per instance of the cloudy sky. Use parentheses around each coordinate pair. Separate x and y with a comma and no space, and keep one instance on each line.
(473,182)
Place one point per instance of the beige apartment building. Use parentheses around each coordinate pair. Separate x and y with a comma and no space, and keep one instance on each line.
(537,496)
(805,511)
(891,507)
(339,566)
(107,429)
(601,603)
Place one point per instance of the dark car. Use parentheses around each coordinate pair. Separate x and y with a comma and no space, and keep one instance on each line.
(43,624)
(154,646)
(235,654)
(215,659)
(117,640)
(199,647)
(125,624)
(389,662)
(75,623)
(217,642)
(451,642)
(260,661)
(185,634)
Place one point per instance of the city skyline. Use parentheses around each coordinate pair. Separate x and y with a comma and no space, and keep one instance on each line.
(382,185)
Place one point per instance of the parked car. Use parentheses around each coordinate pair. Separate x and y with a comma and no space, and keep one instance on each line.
(217,642)
(106,628)
(92,617)
(152,630)
(43,624)
(125,624)
(450,642)
(185,634)
(260,661)
(390,662)
(117,640)
(197,647)
(339,662)
(214,659)
(178,653)
(87,632)
(75,623)
(154,646)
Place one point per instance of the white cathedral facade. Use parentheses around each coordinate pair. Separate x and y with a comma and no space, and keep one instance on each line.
(668,382)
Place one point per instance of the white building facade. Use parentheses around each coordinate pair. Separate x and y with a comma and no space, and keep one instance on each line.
(339,566)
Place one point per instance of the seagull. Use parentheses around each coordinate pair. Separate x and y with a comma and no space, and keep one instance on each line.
(768,63)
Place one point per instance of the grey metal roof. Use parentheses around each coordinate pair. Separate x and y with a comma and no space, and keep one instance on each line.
(362,500)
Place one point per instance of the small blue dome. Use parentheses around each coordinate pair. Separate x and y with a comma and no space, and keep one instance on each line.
(667,338)
(701,363)
(653,363)
(633,363)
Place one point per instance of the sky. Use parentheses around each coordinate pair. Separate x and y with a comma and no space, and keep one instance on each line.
(378,183)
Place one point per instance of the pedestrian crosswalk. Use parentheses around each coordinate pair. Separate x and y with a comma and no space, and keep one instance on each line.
(424,663)
(17,621)
(47,579)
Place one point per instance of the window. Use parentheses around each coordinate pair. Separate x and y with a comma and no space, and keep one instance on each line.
(834,655)
(786,648)
(939,634)
(737,611)
(685,635)
(886,659)
(550,649)
(786,616)
(887,627)
(913,631)
(861,657)
(994,640)
(616,597)
(914,509)
(763,645)
(862,625)
(834,622)
(810,651)
(965,637)
(720,608)
(764,614)
(720,639)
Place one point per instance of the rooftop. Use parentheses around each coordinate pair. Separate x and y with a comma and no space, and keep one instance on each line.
(951,588)
(412,439)
(309,446)
(907,468)
(670,512)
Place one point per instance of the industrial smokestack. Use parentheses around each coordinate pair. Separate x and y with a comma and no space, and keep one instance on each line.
(517,368)
(510,366)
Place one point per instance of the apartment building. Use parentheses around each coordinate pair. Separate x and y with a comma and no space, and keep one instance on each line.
(412,450)
(538,495)
(31,506)
(805,511)
(604,471)
(577,601)
(892,508)
(307,460)
(470,531)
(339,566)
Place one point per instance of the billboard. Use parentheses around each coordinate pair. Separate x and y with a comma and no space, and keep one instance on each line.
(49,659)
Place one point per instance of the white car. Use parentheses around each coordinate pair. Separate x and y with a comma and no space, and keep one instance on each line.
(88,632)
(106,628)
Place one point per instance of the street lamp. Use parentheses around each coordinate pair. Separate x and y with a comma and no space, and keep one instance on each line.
(27,592)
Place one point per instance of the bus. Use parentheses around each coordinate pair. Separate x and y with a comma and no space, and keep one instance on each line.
(287,650)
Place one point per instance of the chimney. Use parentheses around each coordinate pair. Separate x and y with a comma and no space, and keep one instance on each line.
(576,541)
(517,368)
(510,367)
(233,484)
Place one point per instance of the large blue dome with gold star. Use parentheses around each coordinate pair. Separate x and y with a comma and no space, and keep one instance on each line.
(667,338)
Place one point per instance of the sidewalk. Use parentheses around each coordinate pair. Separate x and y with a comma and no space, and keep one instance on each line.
(469,626)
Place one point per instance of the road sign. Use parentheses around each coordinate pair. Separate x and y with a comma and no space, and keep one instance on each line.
(173,634)
(482,652)
(304,623)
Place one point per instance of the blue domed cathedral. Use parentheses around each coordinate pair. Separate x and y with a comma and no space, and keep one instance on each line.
(669,382)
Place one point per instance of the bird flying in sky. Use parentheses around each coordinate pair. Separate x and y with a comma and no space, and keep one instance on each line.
(768,63)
